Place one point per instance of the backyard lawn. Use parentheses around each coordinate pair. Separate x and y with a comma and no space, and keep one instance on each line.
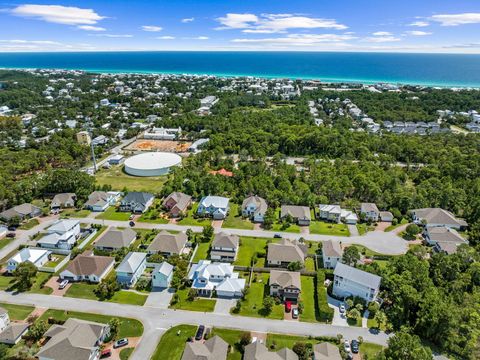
(74,213)
(57,260)
(235,221)
(199,304)
(252,304)
(232,337)
(119,180)
(310,264)
(325,228)
(202,252)
(112,214)
(17,312)
(29,224)
(128,327)
(172,343)
(308,299)
(248,247)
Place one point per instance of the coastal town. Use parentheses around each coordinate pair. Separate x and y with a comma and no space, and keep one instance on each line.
(149,216)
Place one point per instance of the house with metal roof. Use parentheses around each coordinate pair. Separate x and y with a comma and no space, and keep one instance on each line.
(216,207)
(131,268)
(36,256)
(162,275)
(62,234)
(349,281)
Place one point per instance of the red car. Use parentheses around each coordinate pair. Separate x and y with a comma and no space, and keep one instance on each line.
(288,306)
(106,353)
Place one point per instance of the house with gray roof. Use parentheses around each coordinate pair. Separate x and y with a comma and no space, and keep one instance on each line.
(254,207)
(331,254)
(100,200)
(285,284)
(177,203)
(258,351)
(326,351)
(214,348)
(285,252)
(115,239)
(63,201)
(300,214)
(10,333)
(136,202)
(224,247)
(168,244)
(23,211)
(443,238)
(131,268)
(432,217)
(74,340)
(349,281)
(370,211)
(162,275)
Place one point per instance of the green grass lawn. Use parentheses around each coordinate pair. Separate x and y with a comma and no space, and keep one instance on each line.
(4,242)
(158,220)
(89,246)
(112,214)
(5,281)
(154,214)
(199,304)
(172,343)
(232,337)
(29,224)
(74,213)
(58,259)
(325,228)
(353,322)
(252,304)
(17,312)
(287,341)
(278,226)
(40,279)
(310,264)
(363,228)
(119,180)
(86,291)
(366,251)
(248,247)
(128,327)
(235,221)
(308,299)
(369,350)
(125,353)
(393,227)
(202,252)
(190,220)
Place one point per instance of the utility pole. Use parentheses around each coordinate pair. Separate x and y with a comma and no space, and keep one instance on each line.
(93,151)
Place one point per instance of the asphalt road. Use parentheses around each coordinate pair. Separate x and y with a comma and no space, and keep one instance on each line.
(156,321)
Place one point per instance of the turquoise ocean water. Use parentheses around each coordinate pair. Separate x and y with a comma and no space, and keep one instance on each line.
(422,69)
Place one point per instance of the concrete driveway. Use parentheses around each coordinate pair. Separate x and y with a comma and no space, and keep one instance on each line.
(223,306)
(353,230)
(160,298)
(338,318)
(53,283)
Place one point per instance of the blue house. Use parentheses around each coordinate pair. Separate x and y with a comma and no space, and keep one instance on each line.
(162,275)
(131,268)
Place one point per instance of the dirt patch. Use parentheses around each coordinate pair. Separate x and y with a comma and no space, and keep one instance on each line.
(159,145)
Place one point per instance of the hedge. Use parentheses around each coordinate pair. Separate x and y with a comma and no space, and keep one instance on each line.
(324,312)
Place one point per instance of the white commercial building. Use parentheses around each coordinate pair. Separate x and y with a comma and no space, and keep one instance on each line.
(151,163)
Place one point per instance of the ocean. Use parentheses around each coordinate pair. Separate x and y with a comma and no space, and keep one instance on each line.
(448,70)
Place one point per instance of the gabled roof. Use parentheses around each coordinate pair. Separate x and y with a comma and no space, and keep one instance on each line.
(62,226)
(368,207)
(260,203)
(286,251)
(84,265)
(215,201)
(326,351)
(12,332)
(99,198)
(29,254)
(181,200)
(356,275)
(439,216)
(20,210)
(166,242)
(332,249)
(74,340)
(164,268)
(225,240)
(131,262)
(300,212)
(141,198)
(285,279)
(116,239)
(214,348)
(258,351)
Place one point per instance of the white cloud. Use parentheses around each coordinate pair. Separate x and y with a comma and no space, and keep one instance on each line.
(456,19)
(113,35)
(91,28)
(58,14)
(36,42)
(299,39)
(417,33)
(419,24)
(200,38)
(381,39)
(187,20)
(275,23)
(152,28)
(165,37)
(15,45)
(382,33)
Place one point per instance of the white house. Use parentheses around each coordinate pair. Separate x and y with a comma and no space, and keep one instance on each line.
(101,200)
(37,257)
(208,277)
(254,207)
(349,281)
(11,332)
(349,217)
(370,211)
(329,212)
(61,235)
(162,275)
(331,253)
(88,268)
(214,206)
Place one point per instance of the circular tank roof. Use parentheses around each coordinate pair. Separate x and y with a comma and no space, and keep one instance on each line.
(153,161)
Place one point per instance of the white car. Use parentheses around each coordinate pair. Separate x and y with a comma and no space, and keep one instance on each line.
(346,346)
(63,284)
(342,309)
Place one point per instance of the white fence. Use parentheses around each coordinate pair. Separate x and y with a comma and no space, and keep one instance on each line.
(57,267)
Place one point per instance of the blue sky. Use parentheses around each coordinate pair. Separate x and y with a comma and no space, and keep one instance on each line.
(300,25)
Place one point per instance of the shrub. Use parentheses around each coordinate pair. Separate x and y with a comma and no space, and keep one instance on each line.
(325,313)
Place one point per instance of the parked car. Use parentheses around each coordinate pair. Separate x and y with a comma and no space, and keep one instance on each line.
(355,346)
(63,284)
(131,217)
(277,236)
(12,228)
(120,343)
(295,313)
(106,353)
(346,346)
(199,334)
(288,306)
(131,223)
(342,309)
(11,235)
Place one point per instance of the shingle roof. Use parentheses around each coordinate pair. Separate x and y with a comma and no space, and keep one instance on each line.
(89,265)
(214,348)
(260,203)
(300,212)
(332,249)
(357,275)
(439,216)
(258,351)
(168,243)
(99,198)
(444,234)
(181,200)
(285,251)
(285,278)
(225,240)
(326,351)
(116,239)
(368,207)
(164,268)
(12,332)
